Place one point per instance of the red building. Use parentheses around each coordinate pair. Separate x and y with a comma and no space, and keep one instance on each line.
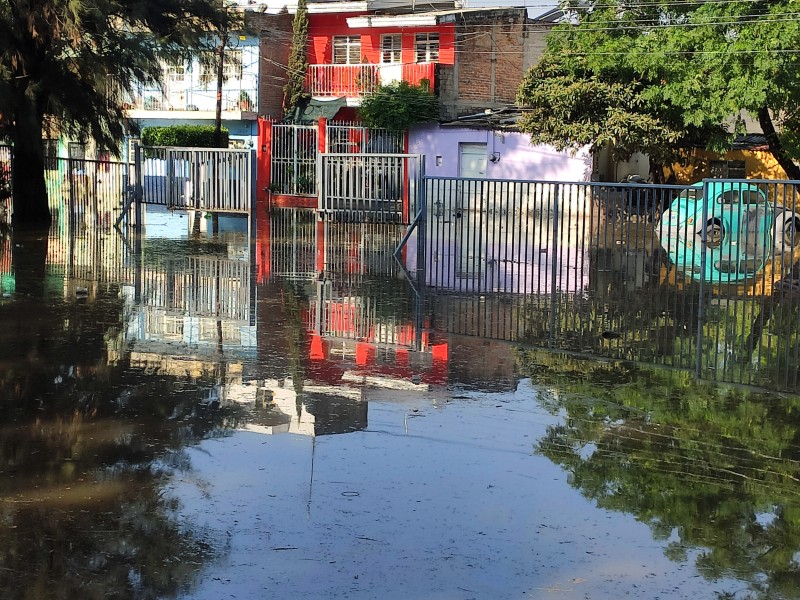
(353,48)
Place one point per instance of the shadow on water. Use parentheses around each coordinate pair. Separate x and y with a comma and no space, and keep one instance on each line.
(117,368)
(87,439)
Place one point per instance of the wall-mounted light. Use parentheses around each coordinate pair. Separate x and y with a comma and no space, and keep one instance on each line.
(438,160)
(494,157)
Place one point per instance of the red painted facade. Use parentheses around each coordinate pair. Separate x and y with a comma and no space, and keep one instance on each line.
(322,28)
(324,79)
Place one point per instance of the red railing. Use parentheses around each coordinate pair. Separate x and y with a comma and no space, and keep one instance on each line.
(336,81)
(355,81)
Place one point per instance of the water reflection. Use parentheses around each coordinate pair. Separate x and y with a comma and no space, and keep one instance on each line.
(704,467)
(136,386)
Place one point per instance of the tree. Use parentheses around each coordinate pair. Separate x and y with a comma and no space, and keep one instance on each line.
(399,105)
(658,77)
(294,94)
(74,62)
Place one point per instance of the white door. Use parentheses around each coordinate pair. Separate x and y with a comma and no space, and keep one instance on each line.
(472,160)
(471,259)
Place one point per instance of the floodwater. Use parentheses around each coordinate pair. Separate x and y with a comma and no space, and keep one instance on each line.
(205,418)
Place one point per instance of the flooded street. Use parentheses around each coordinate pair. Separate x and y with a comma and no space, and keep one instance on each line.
(208,418)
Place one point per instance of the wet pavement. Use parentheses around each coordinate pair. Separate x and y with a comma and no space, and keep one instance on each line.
(182,420)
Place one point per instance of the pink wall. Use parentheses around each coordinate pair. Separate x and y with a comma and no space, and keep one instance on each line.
(518,159)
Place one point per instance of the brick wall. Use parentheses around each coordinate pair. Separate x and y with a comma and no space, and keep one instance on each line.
(276,40)
(494,48)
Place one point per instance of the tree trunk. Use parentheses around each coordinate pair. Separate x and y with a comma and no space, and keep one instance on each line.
(775,146)
(31,210)
(30,263)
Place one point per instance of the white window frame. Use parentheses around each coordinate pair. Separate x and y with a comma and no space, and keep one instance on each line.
(347,45)
(232,69)
(426,47)
(175,73)
(391,48)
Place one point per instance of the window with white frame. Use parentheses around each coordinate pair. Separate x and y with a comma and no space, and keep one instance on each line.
(391,48)
(427,47)
(231,68)
(175,73)
(346,49)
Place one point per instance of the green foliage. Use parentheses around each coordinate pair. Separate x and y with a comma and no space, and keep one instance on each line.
(399,105)
(77,62)
(654,77)
(191,136)
(698,463)
(294,93)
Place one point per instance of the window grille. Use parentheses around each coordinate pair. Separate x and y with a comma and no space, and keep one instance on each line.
(346,49)
(391,48)
(427,47)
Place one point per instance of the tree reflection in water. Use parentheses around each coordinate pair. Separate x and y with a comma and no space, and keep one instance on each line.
(713,470)
(86,443)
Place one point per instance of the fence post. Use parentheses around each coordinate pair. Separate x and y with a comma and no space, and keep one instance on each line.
(320,180)
(554,246)
(252,233)
(71,200)
(698,371)
(422,225)
(264,160)
(137,192)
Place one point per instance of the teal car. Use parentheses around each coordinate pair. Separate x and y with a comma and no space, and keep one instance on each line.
(726,231)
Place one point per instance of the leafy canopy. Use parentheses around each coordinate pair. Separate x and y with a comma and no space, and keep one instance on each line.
(397,106)
(294,90)
(656,76)
(75,61)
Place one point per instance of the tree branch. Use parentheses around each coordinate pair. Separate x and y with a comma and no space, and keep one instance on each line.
(775,146)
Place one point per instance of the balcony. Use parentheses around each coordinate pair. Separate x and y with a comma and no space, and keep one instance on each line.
(357,81)
(199,103)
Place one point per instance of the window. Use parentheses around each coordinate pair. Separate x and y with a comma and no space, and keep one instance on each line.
(347,49)
(175,73)
(77,151)
(728,169)
(427,46)
(391,47)
(50,154)
(231,69)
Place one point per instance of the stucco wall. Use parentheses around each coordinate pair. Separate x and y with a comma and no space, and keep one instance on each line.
(518,159)
(759,164)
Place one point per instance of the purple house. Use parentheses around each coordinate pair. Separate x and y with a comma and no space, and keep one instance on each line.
(492,209)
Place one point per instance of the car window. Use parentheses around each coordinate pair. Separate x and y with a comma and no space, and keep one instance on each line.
(745,196)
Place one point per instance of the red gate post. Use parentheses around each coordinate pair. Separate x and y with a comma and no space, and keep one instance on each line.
(264,160)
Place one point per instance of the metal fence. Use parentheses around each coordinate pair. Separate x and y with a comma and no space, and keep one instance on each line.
(293,157)
(86,193)
(294,151)
(5,184)
(703,277)
(368,187)
(343,137)
(208,179)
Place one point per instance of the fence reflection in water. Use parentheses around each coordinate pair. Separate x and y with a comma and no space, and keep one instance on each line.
(702,278)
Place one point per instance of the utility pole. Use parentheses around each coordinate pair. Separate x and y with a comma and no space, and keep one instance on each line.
(220,77)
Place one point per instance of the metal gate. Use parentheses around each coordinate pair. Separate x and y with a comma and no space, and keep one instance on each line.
(208,179)
(369,187)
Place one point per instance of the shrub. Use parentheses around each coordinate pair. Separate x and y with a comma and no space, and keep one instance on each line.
(398,106)
(191,136)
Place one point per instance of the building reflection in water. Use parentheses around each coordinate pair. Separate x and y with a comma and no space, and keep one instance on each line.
(147,354)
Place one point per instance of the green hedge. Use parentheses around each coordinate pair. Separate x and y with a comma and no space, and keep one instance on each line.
(188,136)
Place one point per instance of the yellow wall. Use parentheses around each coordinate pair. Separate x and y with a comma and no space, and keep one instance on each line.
(759,164)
